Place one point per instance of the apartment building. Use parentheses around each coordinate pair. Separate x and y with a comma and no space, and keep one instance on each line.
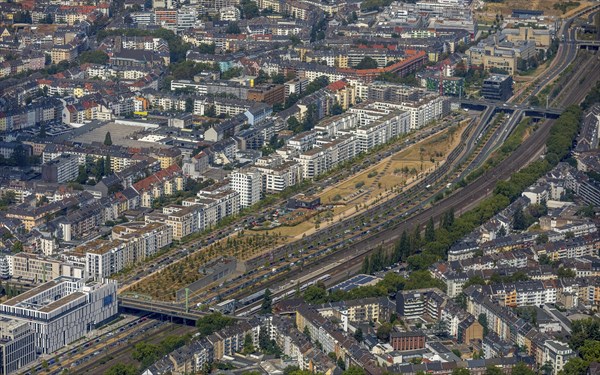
(66,52)
(183,220)
(248,184)
(130,244)
(40,269)
(214,205)
(63,169)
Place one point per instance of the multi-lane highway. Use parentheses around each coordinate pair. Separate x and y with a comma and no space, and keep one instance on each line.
(389,231)
(382,224)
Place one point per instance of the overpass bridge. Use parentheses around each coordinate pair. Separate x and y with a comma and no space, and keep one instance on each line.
(497,106)
(172,310)
(588,44)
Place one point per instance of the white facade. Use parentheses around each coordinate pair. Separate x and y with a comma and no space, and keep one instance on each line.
(248,185)
(63,310)
(17,347)
(229,14)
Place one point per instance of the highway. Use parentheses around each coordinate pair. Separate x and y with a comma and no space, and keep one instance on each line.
(478,190)
(382,224)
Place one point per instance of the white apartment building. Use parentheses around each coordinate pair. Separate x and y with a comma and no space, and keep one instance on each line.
(213,206)
(277,177)
(557,354)
(63,310)
(421,112)
(230,13)
(131,244)
(248,185)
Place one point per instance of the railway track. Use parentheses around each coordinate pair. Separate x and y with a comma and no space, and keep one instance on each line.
(478,190)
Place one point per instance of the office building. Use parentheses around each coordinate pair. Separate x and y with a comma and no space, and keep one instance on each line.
(17,345)
(63,310)
(497,87)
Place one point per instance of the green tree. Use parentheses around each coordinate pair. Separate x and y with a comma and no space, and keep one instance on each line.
(430,231)
(482,319)
(211,323)
(474,280)
(461,371)
(522,369)
(248,345)
(358,335)
(233,28)
(306,332)
(315,294)
(575,366)
(367,63)
(563,272)
(267,302)
(189,105)
(17,247)
(107,139)
(94,57)
(145,353)
(519,221)
(383,331)
(122,369)
(249,9)
(340,362)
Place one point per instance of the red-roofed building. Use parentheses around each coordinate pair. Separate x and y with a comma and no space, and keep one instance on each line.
(344,93)
(165,182)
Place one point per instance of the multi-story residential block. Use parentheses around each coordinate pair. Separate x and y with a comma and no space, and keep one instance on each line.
(183,220)
(63,310)
(63,169)
(130,244)
(63,53)
(248,185)
(557,354)
(165,182)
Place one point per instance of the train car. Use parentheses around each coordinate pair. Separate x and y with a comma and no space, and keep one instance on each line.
(252,298)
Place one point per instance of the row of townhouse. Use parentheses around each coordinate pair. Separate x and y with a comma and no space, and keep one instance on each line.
(38,268)
(297,346)
(106,72)
(31,217)
(211,205)
(130,244)
(575,247)
(121,158)
(38,112)
(334,340)
(191,358)
(165,182)
(199,354)
(434,305)
(358,311)
(510,328)
(34,62)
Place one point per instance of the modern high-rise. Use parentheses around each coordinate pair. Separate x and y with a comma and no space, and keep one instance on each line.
(17,345)
(247,184)
(497,87)
(63,310)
